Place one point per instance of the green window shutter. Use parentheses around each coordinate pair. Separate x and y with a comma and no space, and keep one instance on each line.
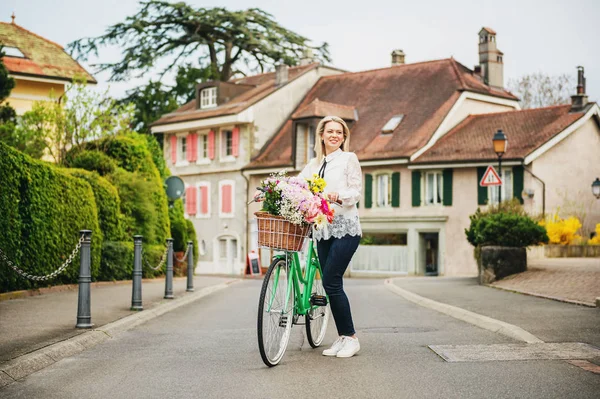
(368,190)
(518,182)
(447,179)
(396,189)
(416,188)
(482,192)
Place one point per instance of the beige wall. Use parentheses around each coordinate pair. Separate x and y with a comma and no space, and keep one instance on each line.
(475,107)
(26,92)
(568,169)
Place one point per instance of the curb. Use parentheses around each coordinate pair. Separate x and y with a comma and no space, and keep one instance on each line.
(30,363)
(554,298)
(475,319)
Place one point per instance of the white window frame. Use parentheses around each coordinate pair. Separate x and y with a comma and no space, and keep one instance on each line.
(199,214)
(438,188)
(507,189)
(202,139)
(310,149)
(221,184)
(181,156)
(208,98)
(223,145)
(387,202)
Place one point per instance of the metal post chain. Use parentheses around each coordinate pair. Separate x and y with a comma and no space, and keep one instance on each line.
(184,256)
(160,264)
(47,276)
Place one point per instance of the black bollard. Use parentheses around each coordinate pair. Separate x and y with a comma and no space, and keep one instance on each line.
(84,316)
(190,270)
(169,275)
(136,291)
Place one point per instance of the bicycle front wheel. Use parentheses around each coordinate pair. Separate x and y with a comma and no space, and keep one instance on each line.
(275,313)
(318,316)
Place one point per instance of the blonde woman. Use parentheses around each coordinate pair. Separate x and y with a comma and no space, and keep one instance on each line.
(337,242)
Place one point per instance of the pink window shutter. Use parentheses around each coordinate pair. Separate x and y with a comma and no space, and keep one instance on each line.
(204,200)
(211,144)
(188,153)
(173,149)
(193,202)
(188,200)
(235,141)
(226,198)
(193,151)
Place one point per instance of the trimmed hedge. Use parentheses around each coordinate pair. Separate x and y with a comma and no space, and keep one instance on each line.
(179,229)
(157,156)
(91,160)
(107,201)
(117,260)
(191,233)
(42,210)
(504,229)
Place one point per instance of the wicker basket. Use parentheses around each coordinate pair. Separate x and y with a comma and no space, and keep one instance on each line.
(278,233)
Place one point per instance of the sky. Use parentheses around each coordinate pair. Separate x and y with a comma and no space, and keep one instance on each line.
(553,36)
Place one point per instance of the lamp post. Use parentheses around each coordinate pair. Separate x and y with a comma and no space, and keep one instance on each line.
(500,143)
(596,188)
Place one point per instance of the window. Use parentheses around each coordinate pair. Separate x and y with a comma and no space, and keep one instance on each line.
(13,52)
(392,124)
(226,196)
(506,188)
(433,188)
(384,192)
(310,143)
(202,147)
(208,98)
(203,200)
(182,149)
(226,143)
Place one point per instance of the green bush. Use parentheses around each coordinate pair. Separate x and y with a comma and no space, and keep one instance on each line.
(42,210)
(504,229)
(179,229)
(152,255)
(191,234)
(157,155)
(141,215)
(91,160)
(107,202)
(117,260)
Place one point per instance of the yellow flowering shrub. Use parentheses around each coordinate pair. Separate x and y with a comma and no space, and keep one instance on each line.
(596,239)
(562,231)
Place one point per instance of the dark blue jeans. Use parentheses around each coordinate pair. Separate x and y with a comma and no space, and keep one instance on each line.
(335,255)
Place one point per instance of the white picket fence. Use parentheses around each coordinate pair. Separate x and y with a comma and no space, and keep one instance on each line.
(381,258)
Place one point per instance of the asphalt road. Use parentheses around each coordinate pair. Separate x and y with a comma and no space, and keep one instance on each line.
(208,349)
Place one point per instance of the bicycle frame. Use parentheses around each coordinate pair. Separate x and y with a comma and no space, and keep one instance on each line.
(302,297)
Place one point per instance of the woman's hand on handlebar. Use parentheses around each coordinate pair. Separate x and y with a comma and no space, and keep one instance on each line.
(334,197)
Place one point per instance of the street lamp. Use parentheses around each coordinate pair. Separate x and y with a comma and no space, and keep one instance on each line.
(500,143)
(596,188)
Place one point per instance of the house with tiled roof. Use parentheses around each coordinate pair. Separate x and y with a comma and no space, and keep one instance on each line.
(41,68)
(423,135)
(209,140)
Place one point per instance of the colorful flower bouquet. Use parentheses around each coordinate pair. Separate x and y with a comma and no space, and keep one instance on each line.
(290,206)
(297,200)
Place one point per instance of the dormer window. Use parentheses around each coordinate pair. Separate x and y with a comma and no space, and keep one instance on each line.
(12,52)
(208,98)
(392,124)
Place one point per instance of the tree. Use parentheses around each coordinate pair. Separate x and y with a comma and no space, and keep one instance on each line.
(215,38)
(80,116)
(541,90)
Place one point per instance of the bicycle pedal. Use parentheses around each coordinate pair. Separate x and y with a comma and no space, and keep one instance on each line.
(283,321)
(318,300)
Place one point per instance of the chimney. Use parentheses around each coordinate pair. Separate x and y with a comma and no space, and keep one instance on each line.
(490,59)
(397,57)
(307,57)
(281,74)
(579,100)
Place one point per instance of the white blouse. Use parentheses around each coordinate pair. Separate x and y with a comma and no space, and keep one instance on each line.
(343,176)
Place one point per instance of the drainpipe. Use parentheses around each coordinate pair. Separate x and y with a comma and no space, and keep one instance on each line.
(543,190)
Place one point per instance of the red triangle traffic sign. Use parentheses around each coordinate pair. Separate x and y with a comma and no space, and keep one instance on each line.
(490,178)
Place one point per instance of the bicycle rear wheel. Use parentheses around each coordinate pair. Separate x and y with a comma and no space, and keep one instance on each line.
(274,317)
(317,317)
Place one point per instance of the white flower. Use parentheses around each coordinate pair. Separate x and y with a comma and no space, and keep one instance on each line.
(320,221)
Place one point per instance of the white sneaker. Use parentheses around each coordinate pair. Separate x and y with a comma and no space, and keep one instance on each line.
(335,348)
(350,347)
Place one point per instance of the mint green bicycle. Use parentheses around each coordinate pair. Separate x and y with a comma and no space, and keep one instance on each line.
(290,291)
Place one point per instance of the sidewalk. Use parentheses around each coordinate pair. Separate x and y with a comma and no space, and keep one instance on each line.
(566,279)
(30,323)
(548,320)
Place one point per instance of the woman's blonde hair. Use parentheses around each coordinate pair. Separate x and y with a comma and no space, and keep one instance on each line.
(320,145)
